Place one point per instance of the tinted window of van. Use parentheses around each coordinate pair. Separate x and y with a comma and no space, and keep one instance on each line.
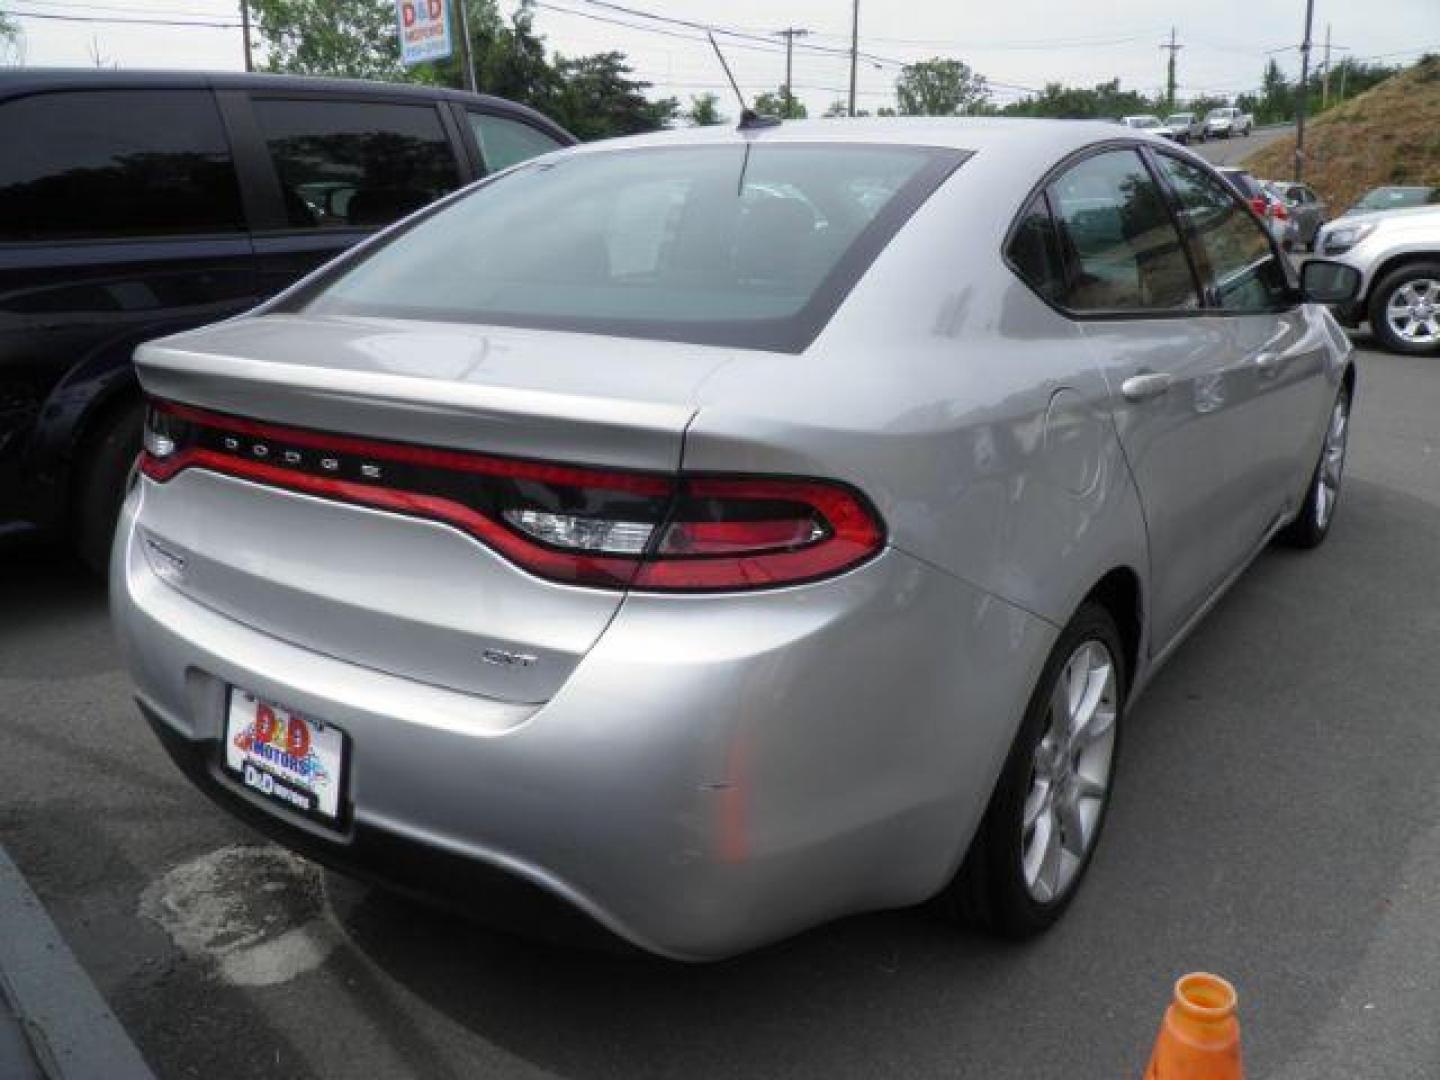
(504,142)
(115,163)
(351,164)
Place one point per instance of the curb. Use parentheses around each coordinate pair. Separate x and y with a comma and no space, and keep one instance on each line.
(53,1021)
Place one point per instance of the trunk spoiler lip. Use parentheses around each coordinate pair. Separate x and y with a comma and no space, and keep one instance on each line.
(550,424)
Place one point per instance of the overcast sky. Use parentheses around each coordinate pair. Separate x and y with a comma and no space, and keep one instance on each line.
(1017,44)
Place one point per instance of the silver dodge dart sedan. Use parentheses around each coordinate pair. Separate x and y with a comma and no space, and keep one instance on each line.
(723,531)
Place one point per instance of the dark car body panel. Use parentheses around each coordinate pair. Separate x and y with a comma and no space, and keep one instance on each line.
(72,310)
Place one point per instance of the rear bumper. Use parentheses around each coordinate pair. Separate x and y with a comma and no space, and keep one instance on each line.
(717,772)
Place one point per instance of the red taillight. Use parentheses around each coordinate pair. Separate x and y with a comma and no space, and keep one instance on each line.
(1257,203)
(750,532)
(577,525)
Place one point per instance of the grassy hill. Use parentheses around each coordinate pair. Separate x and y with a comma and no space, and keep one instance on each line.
(1388,135)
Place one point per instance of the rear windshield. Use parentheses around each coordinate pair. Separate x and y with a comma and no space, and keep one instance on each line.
(746,245)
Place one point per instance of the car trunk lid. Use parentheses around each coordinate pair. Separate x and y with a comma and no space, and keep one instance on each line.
(375,583)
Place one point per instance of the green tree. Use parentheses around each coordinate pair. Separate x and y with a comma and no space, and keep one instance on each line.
(781,104)
(704,111)
(1105,100)
(597,98)
(939,87)
(1277,96)
(353,38)
(1200,106)
(836,108)
(510,58)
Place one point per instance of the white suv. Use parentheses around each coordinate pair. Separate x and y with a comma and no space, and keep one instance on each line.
(1398,255)
(1225,122)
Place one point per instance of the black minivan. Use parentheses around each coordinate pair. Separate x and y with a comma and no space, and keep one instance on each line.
(137,204)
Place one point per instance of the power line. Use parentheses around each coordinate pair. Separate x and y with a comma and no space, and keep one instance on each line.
(772,48)
(87,6)
(986,46)
(121,20)
(733,32)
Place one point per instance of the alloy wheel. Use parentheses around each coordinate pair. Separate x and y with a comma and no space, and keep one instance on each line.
(1413,312)
(1070,773)
(1332,462)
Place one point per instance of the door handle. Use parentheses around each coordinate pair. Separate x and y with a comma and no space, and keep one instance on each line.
(1144,387)
(1269,362)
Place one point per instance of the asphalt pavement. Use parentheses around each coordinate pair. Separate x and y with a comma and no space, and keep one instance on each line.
(1235,151)
(1276,821)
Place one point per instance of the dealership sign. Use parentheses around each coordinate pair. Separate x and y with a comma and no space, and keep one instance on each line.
(424,30)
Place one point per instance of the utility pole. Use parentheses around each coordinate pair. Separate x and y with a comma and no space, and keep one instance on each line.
(467,60)
(854,48)
(245,30)
(1325,79)
(1301,101)
(790,33)
(1170,82)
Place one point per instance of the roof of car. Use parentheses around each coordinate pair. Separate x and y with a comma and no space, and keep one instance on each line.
(29,80)
(977,134)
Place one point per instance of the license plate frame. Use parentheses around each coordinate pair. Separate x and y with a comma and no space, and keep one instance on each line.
(258,753)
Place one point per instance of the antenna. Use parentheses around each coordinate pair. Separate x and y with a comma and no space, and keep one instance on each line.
(749,118)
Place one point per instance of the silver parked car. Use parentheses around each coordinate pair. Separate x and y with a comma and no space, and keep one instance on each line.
(725,531)
(1186,127)
(1228,122)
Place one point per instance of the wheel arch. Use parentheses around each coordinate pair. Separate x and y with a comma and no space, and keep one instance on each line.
(1392,263)
(1120,593)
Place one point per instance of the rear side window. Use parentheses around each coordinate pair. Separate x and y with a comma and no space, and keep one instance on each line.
(746,245)
(107,164)
(1119,239)
(351,164)
(1245,273)
(1034,252)
(505,142)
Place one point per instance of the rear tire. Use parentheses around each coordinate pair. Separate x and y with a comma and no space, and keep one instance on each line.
(1391,290)
(106,457)
(999,885)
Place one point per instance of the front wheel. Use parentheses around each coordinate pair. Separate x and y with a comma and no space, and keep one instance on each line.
(1049,805)
(1312,525)
(1405,309)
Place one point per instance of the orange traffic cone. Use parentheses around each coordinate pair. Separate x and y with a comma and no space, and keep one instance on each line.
(1199,1037)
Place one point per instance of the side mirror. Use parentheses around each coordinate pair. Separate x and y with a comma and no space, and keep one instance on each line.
(1325,282)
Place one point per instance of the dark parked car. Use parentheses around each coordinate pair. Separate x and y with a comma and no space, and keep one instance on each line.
(1306,207)
(136,204)
(1268,205)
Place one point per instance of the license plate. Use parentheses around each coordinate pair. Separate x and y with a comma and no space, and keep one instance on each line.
(296,761)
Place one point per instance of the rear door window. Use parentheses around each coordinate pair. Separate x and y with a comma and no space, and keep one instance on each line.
(505,142)
(1244,271)
(1118,238)
(355,164)
(113,164)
